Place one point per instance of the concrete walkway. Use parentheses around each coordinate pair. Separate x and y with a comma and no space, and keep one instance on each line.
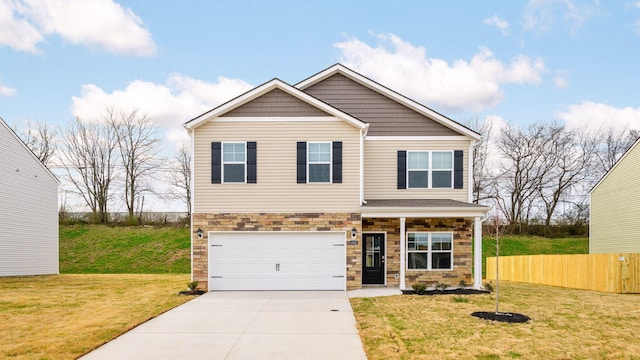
(246,325)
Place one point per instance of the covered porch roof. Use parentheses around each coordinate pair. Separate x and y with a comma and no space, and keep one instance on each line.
(428,208)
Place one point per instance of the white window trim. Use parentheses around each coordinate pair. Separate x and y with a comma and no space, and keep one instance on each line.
(429,250)
(330,162)
(223,162)
(429,169)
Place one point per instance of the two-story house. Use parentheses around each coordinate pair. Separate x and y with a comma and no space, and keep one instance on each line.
(334,183)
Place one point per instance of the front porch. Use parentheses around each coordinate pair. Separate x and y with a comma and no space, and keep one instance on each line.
(421,241)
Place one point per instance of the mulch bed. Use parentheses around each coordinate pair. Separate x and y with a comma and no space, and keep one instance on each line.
(194,292)
(456,291)
(501,317)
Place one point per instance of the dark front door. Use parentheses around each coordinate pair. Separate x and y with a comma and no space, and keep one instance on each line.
(373,262)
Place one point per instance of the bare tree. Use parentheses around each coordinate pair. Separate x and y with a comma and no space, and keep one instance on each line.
(138,145)
(181,175)
(89,158)
(482,176)
(40,138)
(525,168)
(614,143)
(569,154)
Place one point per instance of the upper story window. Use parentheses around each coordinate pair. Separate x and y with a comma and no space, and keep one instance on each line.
(319,162)
(429,169)
(234,162)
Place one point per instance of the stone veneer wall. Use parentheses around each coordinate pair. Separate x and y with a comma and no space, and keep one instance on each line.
(276,222)
(462,249)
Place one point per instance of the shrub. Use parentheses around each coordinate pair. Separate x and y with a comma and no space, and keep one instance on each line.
(463,283)
(488,286)
(192,285)
(419,289)
(441,287)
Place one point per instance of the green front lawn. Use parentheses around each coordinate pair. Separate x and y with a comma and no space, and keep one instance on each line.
(66,316)
(566,324)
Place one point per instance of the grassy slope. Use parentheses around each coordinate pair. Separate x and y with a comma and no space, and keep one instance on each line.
(95,249)
(532,245)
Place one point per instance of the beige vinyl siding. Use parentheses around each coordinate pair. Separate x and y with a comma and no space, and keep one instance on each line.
(381,169)
(615,208)
(28,211)
(276,189)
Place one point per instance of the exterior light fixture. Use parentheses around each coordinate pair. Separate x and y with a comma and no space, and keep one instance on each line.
(200,233)
(354,232)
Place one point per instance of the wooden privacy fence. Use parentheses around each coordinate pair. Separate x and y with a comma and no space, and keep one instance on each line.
(616,273)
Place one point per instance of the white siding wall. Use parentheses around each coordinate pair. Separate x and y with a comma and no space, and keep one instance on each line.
(276,189)
(381,164)
(615,208)
(28,211)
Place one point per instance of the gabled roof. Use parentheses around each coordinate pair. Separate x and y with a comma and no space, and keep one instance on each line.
(265,88)
(415,106)
(10,130)
(616,164)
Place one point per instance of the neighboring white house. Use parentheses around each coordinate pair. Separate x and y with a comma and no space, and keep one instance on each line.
(615,207)
(28,210)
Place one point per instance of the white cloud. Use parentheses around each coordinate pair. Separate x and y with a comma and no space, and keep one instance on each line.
(543,15)
(462,85)
(560,82)
(5,90)
(169,105)
(498,22)
(600,117)
(15,31)
(101,24)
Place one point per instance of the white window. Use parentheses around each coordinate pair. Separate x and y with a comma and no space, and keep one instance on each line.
(319,162)
(429,169)
(234,162)
(429,251)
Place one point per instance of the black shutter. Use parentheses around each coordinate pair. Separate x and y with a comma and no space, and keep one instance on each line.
(402,169)
(458,171)
(251,162)
(301,170)
(216,162)
(337,162)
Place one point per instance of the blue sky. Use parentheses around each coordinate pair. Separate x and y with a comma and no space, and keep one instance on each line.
(520,62)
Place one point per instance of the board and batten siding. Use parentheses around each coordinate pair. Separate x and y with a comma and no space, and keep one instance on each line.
(276,190)
(28,211)
(615,208)
(381,165)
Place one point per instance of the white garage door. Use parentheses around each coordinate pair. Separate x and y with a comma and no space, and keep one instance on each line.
(277,261)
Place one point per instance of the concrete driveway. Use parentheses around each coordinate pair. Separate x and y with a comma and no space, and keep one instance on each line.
(236,325)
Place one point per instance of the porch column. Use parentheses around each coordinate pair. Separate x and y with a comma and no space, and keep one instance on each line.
(402,251)
(477,253)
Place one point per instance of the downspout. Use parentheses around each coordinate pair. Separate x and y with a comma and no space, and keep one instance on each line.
(191,206)
(472,145)
(363,133)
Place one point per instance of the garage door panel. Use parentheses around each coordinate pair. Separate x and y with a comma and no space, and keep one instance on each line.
(277,261)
